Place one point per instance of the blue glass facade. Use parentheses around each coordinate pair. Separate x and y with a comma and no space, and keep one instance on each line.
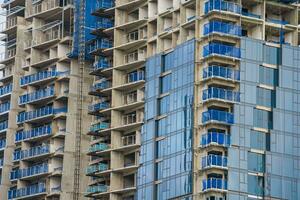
(263,160)
(166,152)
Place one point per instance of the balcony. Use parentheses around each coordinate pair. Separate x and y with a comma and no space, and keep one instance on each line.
(132,80)
(96,108)
(97,46)
(44,9)
(221,50)
(97,168)
(9,25)
(29,172)
(215,138)
(2,144)
(252,15)
(100,87)
(277,21)
(40,77)
(99,127)
(102,5)
(128,140)
(29,191)
(214,93)
(217,116)
(41,113)
(97,189)
(101,65)
(221,73)
(99,147)
(5,90)
(103,23)
(223,28)
(4,108)
(1,162)
(214,184)
(221,5)
(33,134)
(39,95)
(33,152)
(8,55)
(3,126)
(217,161)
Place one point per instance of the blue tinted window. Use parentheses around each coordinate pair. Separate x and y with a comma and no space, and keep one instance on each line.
(272,55)
(256,162)
(168,62)
(262,119)
(265,97)
(268,76)
(164,105)
(165,84)
(255,185)
(260,140)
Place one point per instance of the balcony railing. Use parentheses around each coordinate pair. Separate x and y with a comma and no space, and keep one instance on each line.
(1,162)
(9,53)
(101,64)
(97,189)
(135,76)
(101,86)
(32,152)
(221,5)
(99,106)
(220,93)
(41,112)
(10,22)
(99,147)
(217,116)
(214,161)
(6,89)
(221,72)
(3,125)
(40,76)
(4,107)
(103,23)
(215,138)
(27,191)
(129,140)
(43,6)
(277,21)
(131,119)
(221,49)
(248,14)
(2,144)
(30,171)
(99,126)
(214,184)
(33,133)
(102,43)
(103,4)
(222,27)
(97,168)
(38,95)
(130,98)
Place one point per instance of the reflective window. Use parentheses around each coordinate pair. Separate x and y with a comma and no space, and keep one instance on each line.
(272,55)
(164,105)
(265,97)
(262,119)
(165,82)
(256,162)
(268,76)
(168,62)
(255,185)
(260,140)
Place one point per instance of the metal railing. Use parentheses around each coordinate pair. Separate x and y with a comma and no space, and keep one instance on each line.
(129,140)
(9,23)
(217,116)
(99,106)
(99,147)
(4,107)
(97,168)
(277,21)
(30,171)
(221,72)
(27,191)
(33,133)
(214,184)
(221,5)
(3,125)
(35,96)
(99,126)
(221,49)
(215,138)
(25,80)
(102,63)
(249,14)
(103,4)
(103,23)
(102,43)
(6,89)
(1,162)
(222,27)
(32,152)
(2,143)
(131,119)
(130,98)
(135,76)
(97,189)
(43,6)
(101,86)
(214,161)
(220,93)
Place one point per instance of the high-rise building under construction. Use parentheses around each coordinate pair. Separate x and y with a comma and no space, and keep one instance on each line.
(150,100)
